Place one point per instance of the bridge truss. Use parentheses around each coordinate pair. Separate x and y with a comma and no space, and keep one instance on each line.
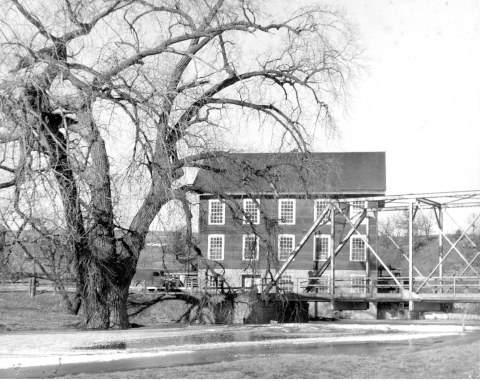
(417,286)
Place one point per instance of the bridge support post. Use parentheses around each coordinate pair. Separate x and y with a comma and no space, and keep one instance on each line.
(332,256)
(440,246)
(410,255)
(368,282)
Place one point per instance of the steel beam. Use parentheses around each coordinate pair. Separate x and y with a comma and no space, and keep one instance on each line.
(446,255)
(440,244)
(413,196)
(461,230)
(370,247)
(340,246)
(466,268)
(332,247)
(399,249)
(429,202)
(410,254)
(397,208)
(453,246)
(295,251)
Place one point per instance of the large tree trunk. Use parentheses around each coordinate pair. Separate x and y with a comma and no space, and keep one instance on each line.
(118,306)
(106,272)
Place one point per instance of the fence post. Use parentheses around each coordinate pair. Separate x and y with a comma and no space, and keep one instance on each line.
(32,287)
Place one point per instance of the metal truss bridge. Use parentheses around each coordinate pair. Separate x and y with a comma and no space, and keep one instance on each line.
(433,286)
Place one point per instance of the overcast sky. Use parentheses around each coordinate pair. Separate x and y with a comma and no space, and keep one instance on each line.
(421,100)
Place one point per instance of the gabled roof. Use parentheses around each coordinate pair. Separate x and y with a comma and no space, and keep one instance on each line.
(293,173)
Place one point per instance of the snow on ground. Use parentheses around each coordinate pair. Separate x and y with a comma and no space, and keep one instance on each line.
(29,349)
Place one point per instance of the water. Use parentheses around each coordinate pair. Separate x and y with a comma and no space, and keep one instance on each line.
(211,338)
(264,343)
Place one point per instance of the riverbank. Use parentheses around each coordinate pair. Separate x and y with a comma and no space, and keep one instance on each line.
(460,363)
(62,353)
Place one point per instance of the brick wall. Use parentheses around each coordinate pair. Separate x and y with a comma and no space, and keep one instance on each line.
(234,228)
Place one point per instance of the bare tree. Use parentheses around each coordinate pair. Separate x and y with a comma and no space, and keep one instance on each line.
(396,225)
(104,103)
(425,225)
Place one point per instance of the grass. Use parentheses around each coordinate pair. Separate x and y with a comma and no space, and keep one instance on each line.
(460,361)
(426,258)
(46,311)
(20,312)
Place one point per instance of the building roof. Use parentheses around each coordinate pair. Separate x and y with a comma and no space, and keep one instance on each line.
(328,173)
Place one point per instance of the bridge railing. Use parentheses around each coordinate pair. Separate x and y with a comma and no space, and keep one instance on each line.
(451,284)
(322,285)
(368,285)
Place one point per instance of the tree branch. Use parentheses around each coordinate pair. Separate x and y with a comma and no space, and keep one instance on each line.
(34,21)
(7,184)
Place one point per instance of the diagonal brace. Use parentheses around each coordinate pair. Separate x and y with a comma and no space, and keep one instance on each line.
(293,254)
(466,268)
(460,228)
(453,246)
(400,249)
(371,248)
(340,246)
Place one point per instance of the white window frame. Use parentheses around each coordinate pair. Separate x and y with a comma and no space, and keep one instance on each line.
(256,278)
(292,236)
(191,282)
(355,210)
(315,246)
(210,202)
(317,212)
(210,236)
(211,282)
(356,287)
(257,218)
(358,236)
(244,247)
(280,202)
(286,278)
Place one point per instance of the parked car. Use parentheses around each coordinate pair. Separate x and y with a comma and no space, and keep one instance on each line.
(155,280)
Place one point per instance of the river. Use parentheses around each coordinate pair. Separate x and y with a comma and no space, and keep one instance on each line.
(46,354)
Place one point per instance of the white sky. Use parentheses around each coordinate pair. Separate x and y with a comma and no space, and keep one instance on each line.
(421,100)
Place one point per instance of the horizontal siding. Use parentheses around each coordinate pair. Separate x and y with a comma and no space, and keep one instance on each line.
(233,230)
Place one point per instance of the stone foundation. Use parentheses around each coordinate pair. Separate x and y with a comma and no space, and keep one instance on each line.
(248,309)
(327,311)
(401,311)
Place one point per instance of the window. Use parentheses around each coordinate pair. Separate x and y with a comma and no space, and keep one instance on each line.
(286,243)
(216,212)
(359,285)
(215,247)
(285,283)
(356,208)
(319,207)
(357,248)
(248,281)
(251,212)
(250,247)
(321,247)
(212,282)
(286,211)
(191,282)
